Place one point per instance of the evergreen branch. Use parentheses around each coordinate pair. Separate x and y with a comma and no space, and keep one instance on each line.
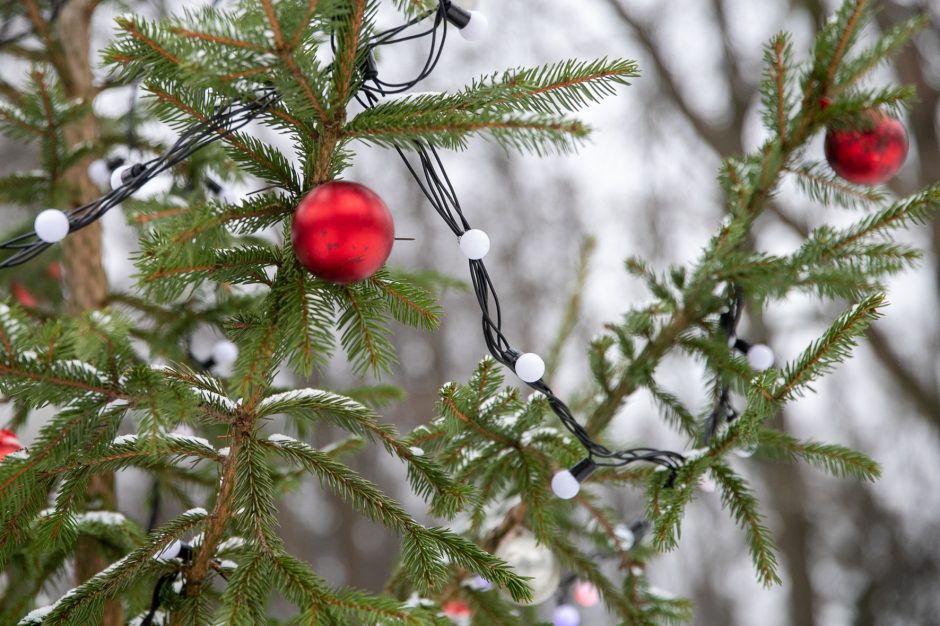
(409,304)
(51,134)
(737,497)
(82,605)
(348,53)
(887,46)
(587,569)
(817,181)
(847,24)
(219,39)
(451,131)
(834,459)
(551,89)
(247,147)
(131,28)
(830,349)
(365,336)
(286,55)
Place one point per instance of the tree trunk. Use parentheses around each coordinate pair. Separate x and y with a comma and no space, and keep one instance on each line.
(84,275)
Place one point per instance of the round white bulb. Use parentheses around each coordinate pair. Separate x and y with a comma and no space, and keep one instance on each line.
(170,552)
(760,357)
(224,353)
(99,173)
(51,225)
(475,244)
(117,176)
(477,28)
(530,367)
(565,485)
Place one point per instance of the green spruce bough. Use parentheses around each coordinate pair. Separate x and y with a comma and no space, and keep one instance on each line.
(491,445)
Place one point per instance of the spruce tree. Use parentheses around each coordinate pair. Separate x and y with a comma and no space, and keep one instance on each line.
(103,364)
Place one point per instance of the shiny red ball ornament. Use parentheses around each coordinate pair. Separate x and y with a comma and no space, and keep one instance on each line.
(871,155)
(342,232)
(8,442)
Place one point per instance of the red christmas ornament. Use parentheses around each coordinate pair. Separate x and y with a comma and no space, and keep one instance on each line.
(457,610)
(342,232)
(871,155)
(8,442)
(23,295)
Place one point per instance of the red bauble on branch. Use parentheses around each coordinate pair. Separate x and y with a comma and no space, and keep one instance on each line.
(342,232)
(8,442)
(868,156)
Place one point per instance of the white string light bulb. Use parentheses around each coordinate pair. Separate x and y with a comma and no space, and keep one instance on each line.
(99,173)
(529,367)
(51,225)
(566,484)
(477,28)
(760,357)
(117,176)
(475,244)
(224,354)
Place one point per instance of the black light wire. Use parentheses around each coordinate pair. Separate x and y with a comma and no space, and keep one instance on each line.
(438,189)
(728,323)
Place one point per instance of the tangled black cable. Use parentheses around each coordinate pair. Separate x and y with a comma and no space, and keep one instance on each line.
(436,186)
(227,120)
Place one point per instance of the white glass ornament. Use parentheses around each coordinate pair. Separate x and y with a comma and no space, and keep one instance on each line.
(477,28)
(51,225)
(224,354)
(565,485)
(117,176)
(529,558)
(99,173)
(529,367)
(475,244)
(760,357)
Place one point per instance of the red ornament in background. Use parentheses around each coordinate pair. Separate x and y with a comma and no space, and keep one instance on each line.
(8,442)
(23,295)
(871,155)
(458,611)
(342,232)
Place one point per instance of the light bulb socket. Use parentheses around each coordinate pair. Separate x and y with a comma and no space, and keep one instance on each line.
(584,468)
(114,163)
(639,528)
(131,173)
(742,346)
(186,553)
(457,16)
(213,186)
